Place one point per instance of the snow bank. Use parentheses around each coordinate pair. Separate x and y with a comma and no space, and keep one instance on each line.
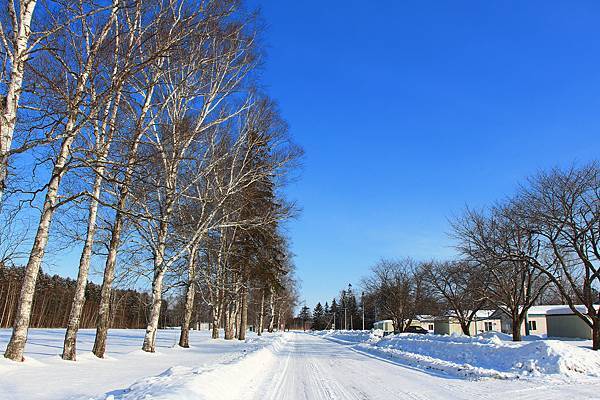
(351,336)
(488,355)
(207,382)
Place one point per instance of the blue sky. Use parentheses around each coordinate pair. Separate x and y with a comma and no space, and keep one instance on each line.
(408,111)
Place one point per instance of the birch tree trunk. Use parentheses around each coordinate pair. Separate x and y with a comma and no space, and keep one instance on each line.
(18,58)
(216,318)
(237,321)
(244,316)
(278,320)
(16,346)
(149,344)
(69,345)
(103,319)
(229,321)
(189,300)
(271,311)
(261,315)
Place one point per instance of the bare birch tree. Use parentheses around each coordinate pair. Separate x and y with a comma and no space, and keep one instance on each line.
(93,40)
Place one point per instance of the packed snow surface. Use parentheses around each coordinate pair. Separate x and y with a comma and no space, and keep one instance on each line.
(488,355)
(292,366)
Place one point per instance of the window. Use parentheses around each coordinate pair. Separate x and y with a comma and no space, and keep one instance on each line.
(488,326)
(532,326)
(430,327)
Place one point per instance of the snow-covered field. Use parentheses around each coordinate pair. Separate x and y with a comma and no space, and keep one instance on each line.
(44,375)
(328,365)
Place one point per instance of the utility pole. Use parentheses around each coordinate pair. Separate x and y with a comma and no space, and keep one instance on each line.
(346,305)
(362,302)
(345,319)
(334,320)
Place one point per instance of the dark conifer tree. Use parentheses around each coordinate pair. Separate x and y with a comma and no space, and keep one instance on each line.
(334,311)
(304,316)
(318,318)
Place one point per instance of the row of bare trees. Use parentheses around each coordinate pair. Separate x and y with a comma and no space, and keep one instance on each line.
(540,246)
(398,290)
(546,236)
(138,129)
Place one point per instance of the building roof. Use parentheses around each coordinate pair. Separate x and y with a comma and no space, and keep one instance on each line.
(546,309)
(566,310)
(481,314)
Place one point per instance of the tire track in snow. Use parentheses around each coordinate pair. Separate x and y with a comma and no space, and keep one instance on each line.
(310,367)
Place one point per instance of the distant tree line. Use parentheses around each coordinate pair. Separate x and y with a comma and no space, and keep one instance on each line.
(129,309)
(345,312)
(53,297)
(136,131)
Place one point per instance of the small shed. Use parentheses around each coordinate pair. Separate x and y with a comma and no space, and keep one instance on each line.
(536,319)
(386,325)
(563,322)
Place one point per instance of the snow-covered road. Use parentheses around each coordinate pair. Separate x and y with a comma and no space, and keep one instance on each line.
(309,367)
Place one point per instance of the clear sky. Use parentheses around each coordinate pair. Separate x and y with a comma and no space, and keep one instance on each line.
(410,110)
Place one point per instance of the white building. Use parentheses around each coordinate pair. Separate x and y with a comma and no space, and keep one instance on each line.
(483,321)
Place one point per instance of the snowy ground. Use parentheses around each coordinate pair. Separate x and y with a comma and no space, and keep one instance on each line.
(289,366)
(44,375)
(490,355)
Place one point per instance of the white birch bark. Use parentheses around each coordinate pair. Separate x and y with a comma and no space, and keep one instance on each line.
(149,344)
(8,115)
(69,345)
(189,299)
(16,346)
(102,322)
(271,311)
(261,315)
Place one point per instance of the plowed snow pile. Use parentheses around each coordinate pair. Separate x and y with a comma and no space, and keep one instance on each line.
(479,356)
(220,382)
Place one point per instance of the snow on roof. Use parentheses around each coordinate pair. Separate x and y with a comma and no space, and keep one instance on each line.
(481,314)
(424,317)
(484,313)
(563,309)
(544,310)
(548,309)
